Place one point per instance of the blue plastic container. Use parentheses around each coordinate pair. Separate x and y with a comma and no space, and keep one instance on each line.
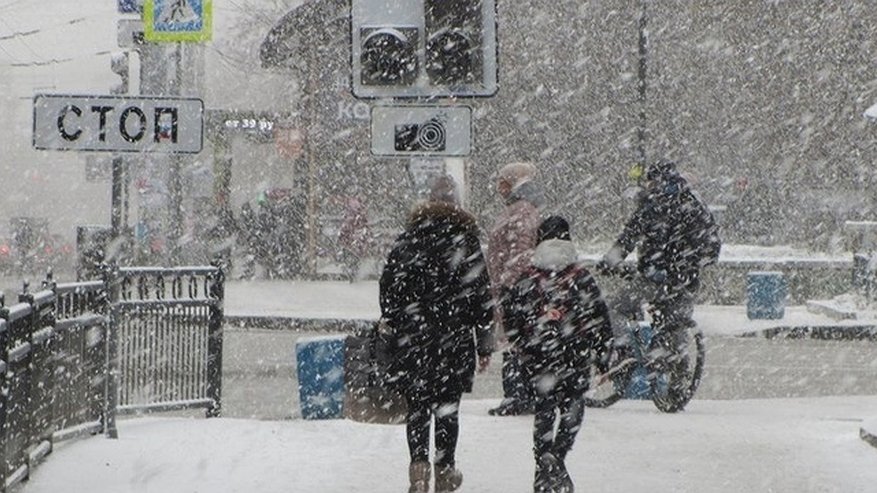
(320,366)
(638,388)
(765,295)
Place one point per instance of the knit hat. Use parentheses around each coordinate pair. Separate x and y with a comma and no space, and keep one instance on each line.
(553,227)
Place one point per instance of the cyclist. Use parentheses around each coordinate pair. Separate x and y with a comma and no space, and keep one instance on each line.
(675,235)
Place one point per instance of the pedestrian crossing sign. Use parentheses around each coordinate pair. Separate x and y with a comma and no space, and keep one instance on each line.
(178,20)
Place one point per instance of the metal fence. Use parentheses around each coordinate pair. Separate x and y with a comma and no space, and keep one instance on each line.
(166,346)
(50,343)
(74,355)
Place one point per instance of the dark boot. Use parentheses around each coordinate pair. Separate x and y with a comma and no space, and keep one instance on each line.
(562,481)
(546,466)
(447,479)
(418,477)
(512,407)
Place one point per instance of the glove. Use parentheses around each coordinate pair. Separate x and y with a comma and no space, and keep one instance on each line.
(603,268)
(613,257)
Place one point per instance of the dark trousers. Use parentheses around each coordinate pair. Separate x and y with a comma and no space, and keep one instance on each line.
(514,382)
(570,409)
(447,428)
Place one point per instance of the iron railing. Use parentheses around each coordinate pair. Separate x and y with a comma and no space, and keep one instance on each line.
(74,355)
(166,346)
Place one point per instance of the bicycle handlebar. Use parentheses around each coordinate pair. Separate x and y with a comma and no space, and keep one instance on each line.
(623,271)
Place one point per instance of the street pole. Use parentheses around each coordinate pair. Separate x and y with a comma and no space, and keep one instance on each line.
(118,216)
(643,83)
(312,198)
(176,163)
(117,207)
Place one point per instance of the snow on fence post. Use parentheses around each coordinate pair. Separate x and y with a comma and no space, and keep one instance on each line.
(19,356)
(41,388)
(214,341)
(4,356)
(112,282)
(80,344)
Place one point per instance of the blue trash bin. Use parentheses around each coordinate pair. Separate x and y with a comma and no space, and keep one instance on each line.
(320,366)
(638,388)
(765,295)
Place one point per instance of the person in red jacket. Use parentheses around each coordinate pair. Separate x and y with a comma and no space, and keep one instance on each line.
(510,246)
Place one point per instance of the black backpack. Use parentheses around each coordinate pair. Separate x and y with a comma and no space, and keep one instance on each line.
(552,301)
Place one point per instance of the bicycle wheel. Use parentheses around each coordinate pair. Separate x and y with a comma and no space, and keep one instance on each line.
(675,367)
(610,391)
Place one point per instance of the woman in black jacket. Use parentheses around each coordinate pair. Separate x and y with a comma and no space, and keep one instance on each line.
(435,297)
(559,323)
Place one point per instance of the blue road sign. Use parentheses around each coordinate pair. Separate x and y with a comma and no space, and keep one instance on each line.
(178,20)
(130,6)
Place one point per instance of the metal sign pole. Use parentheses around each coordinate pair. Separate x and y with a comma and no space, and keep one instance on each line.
(176,165)
(117,219)
(643,81)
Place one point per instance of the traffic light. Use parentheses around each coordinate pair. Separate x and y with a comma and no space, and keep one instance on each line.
(119,66)
(389,56)
(423,48)
(453,44)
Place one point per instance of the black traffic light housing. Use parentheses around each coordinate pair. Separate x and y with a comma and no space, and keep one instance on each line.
(454,39)
(423,48)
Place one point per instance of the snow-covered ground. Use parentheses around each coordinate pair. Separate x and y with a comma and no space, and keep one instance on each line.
(783,445)
(359,300)
(728,444)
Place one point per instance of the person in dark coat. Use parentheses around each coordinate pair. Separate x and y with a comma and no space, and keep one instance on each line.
(435,299)
(558,321)
(675,236)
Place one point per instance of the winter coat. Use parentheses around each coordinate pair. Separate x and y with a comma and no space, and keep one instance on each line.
(512,240)
(674,231)
(435,297)
(558,320)
(513,237)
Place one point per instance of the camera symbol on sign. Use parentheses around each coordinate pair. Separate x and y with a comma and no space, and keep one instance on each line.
(428,136)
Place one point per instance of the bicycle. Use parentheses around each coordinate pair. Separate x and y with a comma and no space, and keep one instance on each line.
(662,358)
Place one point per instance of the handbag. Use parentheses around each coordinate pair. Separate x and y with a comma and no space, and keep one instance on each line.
(370,395)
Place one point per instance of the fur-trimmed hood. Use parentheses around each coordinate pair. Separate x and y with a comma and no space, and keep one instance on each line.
(441,211)
(555,255)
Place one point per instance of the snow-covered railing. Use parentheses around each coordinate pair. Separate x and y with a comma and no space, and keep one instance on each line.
(50,374)
(166,349)
(73,355)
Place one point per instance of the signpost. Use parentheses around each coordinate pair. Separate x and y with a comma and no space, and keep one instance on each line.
(118,124)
